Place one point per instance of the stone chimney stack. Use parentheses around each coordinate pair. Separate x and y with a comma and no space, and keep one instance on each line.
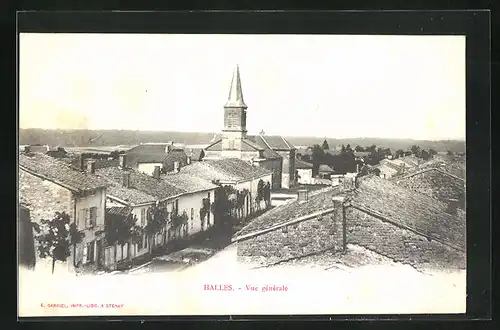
(122,161)
(156,172)
(177,167)
(340,219)
(126,180)
(188,160)
(91,166)
(81,162)
(27,149)
(302,195)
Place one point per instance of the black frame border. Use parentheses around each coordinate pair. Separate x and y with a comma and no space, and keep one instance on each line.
(474,24)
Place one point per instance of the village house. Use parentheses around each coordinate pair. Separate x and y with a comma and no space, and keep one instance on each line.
(304,172)
(128,187)
(274,153)
(198,195)
(47,186)
(368,211)
(235,173)
(146,156)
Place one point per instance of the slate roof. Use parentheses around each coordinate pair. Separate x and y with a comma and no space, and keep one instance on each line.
(411,209)
(276,142)
(300,164)
(188,183)
(58,172)
(317,201)
(143,188)
(146,153)
(230,169)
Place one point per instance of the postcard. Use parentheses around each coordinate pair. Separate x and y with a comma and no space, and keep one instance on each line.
(235,174)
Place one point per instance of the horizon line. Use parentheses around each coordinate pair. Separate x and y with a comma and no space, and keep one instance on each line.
(256,133)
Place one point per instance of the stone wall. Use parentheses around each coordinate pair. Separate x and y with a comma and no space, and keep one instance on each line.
(399,244)
(295,240)
(43,198)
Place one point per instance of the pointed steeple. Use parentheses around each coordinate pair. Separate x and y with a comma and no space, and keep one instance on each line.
(235,98)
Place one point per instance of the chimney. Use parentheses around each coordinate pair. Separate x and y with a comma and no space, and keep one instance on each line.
(302,195)
(122,161)
(27,149)
(168,148)
(383,175)
(81,160)
(339,218)
(188,160)
(156,172)
(126,180)
(348,183)
(176,167)
(91,166)
(357,168)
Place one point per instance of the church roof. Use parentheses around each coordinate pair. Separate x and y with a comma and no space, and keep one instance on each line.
(235,98)
(247,145)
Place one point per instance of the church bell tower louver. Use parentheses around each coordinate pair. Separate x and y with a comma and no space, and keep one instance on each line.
(235,115)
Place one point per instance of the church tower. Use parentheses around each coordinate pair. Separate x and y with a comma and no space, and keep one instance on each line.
(235,116)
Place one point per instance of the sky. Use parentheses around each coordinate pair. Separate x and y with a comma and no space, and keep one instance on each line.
(337,86)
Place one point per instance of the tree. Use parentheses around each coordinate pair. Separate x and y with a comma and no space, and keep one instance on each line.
(348,149)
(318,157)
(449,153)
(55,237)
(415,149)
(432,152)
(157,219)
(359,149)
(425,155)
(342,149)
(179,221)
(121,230)
(399,153)
(325,145)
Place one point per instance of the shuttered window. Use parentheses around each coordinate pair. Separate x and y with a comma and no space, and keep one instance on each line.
(143,217)
(81,219)
(92,217)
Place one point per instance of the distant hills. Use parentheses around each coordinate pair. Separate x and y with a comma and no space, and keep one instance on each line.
(99,138)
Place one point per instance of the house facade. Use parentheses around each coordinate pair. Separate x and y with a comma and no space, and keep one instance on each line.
(272,153)
(236,173)
(47,186)
(304,172)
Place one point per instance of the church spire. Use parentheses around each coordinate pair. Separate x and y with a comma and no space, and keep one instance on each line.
(235,98)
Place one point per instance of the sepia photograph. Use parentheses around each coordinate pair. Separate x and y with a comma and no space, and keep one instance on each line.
(239,174)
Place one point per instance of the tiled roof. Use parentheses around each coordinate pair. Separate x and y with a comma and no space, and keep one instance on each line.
(317,201)
(58,172)
(224,170)
(386,168)
(412,209)
(174,156)
(434,183)
(238,168)
(188,183)
(142,186)
(361,153)
(119,210)
(300,164)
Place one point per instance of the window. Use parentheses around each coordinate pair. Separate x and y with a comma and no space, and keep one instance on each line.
(176,205)
(192,213)
(143,217)
(92,217)
(140,245)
